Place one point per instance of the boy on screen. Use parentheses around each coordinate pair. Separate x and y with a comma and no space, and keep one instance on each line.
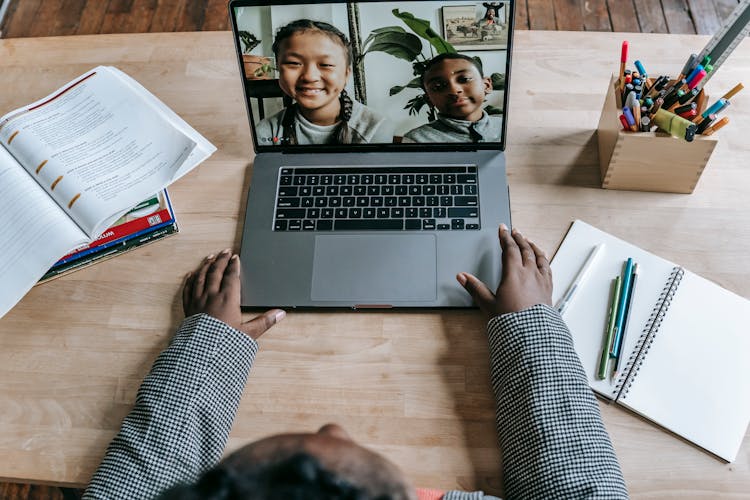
(456,86)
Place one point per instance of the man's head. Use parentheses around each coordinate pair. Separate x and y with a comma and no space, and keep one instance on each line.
(326,464)
(455,85)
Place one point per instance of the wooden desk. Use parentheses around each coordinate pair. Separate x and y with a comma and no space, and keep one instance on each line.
(412,385)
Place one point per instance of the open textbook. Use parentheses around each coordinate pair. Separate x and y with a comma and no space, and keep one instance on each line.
(687,342)
(74,162)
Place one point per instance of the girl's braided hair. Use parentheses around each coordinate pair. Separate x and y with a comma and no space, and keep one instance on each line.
(343,133)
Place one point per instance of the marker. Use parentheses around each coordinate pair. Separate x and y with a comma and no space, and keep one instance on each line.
(675,125)
(657,106)
(705,123)
(641,69)
(696,79)
(623,60)
(631,100)
(563,303)
(688,66)
(688,115)
(624,122)
(621,307)
(645,124)
(692,74)
(685,108)
(689,96)
(628,309)
(716,126)
(715,107)
(732,92)
(630,118)
(610,329)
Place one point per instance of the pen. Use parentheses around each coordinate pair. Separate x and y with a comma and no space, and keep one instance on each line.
(695,80)
(697,70)
(734,90)
(582,274)
(715,107)
(641,69)
(623,60)
(628,309)
(705,123)
(624,122)
(629,117)
(610,329)
(688,66)
(675,125)
(716,126)
(621,306)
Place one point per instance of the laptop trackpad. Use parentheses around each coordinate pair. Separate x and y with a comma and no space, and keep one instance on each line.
(375,269)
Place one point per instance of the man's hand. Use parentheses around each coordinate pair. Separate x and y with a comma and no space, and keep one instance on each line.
(526,280)
(214,289)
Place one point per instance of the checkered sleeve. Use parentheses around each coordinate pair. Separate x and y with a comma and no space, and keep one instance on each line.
(183,412)
(550,429)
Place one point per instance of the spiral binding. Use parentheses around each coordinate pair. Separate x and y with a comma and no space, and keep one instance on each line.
(638,355)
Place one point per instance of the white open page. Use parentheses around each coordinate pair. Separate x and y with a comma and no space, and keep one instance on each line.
(96,147)
(34,233)
(694,380)
(203,148)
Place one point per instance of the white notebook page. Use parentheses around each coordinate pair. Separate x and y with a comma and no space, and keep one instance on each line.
(694,380)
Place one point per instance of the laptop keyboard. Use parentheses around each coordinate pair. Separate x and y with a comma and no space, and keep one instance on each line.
(442,198)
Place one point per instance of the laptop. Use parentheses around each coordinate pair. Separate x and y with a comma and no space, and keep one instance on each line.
(372,188)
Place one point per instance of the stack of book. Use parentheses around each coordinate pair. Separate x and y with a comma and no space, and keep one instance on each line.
(150,220)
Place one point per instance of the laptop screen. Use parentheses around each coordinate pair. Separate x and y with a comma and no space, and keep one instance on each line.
(378,74)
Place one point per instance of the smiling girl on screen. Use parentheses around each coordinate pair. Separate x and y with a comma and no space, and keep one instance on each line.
(455,85)
(314,60)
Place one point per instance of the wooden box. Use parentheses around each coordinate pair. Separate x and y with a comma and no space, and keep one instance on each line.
(647,161)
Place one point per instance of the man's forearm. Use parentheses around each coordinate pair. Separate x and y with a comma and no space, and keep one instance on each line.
(550,429)
(182,415)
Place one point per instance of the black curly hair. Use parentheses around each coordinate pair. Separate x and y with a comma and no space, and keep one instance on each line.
(298,477)
(447,56)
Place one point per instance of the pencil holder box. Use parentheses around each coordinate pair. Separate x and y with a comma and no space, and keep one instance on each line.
(647,161)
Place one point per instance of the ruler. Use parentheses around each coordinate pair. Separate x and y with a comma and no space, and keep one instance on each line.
(733,30)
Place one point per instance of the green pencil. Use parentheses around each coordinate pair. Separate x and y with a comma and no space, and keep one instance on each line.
(610,331)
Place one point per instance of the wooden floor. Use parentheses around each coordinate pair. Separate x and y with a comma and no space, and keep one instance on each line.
(25,18)
(29,18)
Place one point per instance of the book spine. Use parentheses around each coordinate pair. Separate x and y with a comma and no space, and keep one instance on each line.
(638,355)
(106,253)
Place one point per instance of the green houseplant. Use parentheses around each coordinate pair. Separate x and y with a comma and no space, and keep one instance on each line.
(396,41)
(256,67)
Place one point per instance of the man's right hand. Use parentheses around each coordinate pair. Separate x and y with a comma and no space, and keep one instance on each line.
(214,288)
(526,279)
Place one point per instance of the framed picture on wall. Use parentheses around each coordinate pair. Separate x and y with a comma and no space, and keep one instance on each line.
(481,26)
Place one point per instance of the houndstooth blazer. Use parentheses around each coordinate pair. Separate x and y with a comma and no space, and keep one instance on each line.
(550,430)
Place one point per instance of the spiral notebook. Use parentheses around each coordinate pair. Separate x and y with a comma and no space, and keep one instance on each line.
(687,342)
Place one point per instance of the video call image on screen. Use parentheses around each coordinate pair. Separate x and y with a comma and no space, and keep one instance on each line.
(375,73)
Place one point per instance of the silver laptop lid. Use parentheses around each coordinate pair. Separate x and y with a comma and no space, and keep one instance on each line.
(374,75)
